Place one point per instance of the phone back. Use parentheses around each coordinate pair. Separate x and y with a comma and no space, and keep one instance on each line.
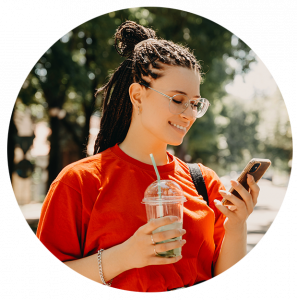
(256,167)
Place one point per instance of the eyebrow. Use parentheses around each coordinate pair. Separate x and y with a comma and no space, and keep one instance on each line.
(181,92)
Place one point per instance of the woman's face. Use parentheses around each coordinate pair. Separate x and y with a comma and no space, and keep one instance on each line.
(156,117)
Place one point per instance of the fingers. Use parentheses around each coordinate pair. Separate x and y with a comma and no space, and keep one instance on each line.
(162,247)
(143,244)
(235,201)
(161,240)
(226,202)
(223,209)
(255,190)
(156,260)
(156,223)
(249,198)
(169,234)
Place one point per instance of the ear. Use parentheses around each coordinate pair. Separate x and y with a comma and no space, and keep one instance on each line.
(135,92)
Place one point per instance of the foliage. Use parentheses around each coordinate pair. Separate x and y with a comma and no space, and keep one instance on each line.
(253,128)
(274,134)
(65,78)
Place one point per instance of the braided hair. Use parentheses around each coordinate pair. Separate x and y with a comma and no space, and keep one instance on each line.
(143,50)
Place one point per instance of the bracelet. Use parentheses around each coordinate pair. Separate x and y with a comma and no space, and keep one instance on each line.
(100,268)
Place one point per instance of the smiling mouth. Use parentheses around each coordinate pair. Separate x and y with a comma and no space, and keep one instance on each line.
(181,128)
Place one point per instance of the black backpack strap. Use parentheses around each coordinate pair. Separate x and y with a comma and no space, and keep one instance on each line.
(198,181)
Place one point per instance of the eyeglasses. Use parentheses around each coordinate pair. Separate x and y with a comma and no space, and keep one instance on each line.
(179,103)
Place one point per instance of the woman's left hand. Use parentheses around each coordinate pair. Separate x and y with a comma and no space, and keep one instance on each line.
(238,213)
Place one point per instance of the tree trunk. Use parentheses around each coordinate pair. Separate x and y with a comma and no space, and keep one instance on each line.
(12,132)
(54,166)
(181,150)
(86,132)
(89,109)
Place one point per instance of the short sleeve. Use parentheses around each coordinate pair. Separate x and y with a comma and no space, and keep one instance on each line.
(59,227)
(213,185)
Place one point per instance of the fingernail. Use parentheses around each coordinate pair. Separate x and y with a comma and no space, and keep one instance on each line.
(182,231)
(250,177)
(216,201)
(222,192)
(182,242)
(233,182)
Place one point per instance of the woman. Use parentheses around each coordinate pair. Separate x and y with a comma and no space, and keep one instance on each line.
(95,203)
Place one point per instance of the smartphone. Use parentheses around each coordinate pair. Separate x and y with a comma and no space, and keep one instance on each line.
(256,167)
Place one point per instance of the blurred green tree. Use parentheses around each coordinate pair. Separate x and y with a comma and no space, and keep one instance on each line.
(274,132)
(24,100)
(237,137)
(64,79)
(259,127)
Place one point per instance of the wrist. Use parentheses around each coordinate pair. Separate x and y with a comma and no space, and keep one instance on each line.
(238,232)
(114,259)
(233,248)
(125,254)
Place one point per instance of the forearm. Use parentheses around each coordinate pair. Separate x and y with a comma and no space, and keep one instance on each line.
(233,250)
(112,264)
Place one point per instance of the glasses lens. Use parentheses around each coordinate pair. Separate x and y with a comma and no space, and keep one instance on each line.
(180,103)
(202,107)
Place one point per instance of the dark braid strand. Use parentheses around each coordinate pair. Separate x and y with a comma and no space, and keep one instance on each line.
(117,112)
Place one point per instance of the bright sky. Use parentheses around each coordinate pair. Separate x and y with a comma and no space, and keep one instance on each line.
(258,80)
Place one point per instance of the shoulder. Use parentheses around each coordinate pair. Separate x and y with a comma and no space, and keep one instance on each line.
(212,181)
(208,174)
(213,185)
(87,170)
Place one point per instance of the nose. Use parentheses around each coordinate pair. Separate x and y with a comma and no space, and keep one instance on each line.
(188,113)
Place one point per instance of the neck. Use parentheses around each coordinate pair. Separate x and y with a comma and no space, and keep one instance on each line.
(141,150)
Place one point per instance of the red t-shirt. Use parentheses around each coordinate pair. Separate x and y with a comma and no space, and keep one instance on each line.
(95,203)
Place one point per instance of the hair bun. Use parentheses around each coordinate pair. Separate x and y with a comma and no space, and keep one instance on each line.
(128,35)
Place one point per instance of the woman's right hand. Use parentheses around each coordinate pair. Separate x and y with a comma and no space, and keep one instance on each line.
(139,250)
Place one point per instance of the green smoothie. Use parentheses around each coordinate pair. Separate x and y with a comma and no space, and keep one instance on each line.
(173,252)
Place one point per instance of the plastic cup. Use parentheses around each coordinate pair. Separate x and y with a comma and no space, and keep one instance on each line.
(170,204)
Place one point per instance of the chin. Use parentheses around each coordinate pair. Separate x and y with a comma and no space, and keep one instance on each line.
(175,143)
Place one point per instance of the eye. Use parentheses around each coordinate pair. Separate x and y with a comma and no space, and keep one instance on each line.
(179,99)
(175,101)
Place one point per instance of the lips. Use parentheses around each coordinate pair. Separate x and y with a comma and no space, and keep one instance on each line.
(181,128)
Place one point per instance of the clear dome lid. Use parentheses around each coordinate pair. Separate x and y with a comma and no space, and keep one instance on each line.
(170,191)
